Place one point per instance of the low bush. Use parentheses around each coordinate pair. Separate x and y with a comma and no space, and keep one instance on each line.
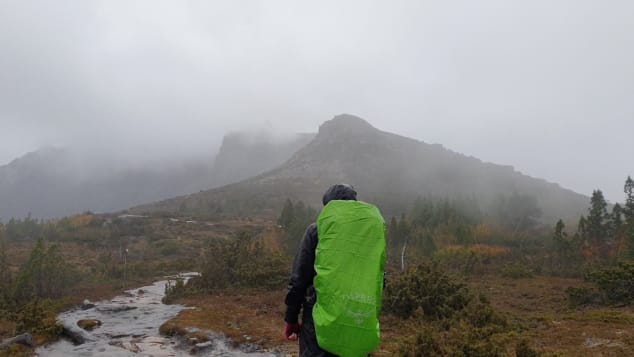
(38,317)
(454,322)
(471,259)
(524,350)
(516,271)
(242,262)
(579,296)
(475,331)
(616,283)
(174,290)
(425,287)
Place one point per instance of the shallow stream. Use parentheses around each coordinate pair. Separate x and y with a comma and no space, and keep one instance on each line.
(130,327)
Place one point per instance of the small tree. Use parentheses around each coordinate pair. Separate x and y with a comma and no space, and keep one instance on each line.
(598,225)
(561,243)
(44,275)
(5,273)
(566,257)
(391,235)
(287,214)
(628,212)
(294,219)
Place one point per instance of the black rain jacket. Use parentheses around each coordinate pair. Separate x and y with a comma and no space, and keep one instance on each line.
(300,285)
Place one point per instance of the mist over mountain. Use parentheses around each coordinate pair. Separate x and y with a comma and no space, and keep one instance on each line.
(54,182)
(246,154)
(386,169)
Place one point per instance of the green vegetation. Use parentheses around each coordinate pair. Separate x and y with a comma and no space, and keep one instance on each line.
(602,246)
(449,320)
(615,283)
(29,301)
(242,262)
(446,259)
(426,290)
(516,271)
(602,238)
(45,264)
(294,219)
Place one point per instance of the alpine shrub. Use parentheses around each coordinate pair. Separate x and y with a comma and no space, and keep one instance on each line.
(615,283)
(427,288)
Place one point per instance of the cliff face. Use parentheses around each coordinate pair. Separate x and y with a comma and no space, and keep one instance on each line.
(386,169)
(243,155)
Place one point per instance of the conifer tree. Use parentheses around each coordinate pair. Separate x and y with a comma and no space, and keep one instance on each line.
(617,229)
(286,217)
(628,212)
(392,232)
(598,224)
(30,281)
(5,273)
(561,244)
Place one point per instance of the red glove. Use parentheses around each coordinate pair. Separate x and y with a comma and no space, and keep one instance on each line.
(291,330)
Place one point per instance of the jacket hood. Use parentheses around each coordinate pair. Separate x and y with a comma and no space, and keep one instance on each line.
(339,191)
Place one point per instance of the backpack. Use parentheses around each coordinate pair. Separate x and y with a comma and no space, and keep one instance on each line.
(349,262)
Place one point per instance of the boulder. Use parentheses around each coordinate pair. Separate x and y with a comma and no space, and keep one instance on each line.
(87,305)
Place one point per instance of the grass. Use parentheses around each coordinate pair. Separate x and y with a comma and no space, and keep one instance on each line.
(258,316)
(538,305)
(243,316)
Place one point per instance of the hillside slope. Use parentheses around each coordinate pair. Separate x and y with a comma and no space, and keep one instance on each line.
(386,169)
(246,154)
(55,182)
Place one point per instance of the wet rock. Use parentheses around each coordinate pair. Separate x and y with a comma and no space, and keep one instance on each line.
(87,305)
(115,308)
(140,292)
(88,324)
(119,336)
(155,339)
(24,339)
(130,346)
(202,346)
(249,347)
(75,334)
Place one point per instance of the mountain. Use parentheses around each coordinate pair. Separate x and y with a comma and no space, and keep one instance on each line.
(386,169)
(246,154)
(55,182)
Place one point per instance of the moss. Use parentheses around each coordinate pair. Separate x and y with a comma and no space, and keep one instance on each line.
(172,328)
(88,324)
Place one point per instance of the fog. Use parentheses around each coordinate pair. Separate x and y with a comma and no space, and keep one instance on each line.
(547,87)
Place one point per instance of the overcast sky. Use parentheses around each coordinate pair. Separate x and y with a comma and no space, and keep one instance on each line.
(545,86)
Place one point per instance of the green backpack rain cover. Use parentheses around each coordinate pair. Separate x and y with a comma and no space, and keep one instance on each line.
(349,262)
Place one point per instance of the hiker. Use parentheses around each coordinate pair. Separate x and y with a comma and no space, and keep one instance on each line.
(337,279)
